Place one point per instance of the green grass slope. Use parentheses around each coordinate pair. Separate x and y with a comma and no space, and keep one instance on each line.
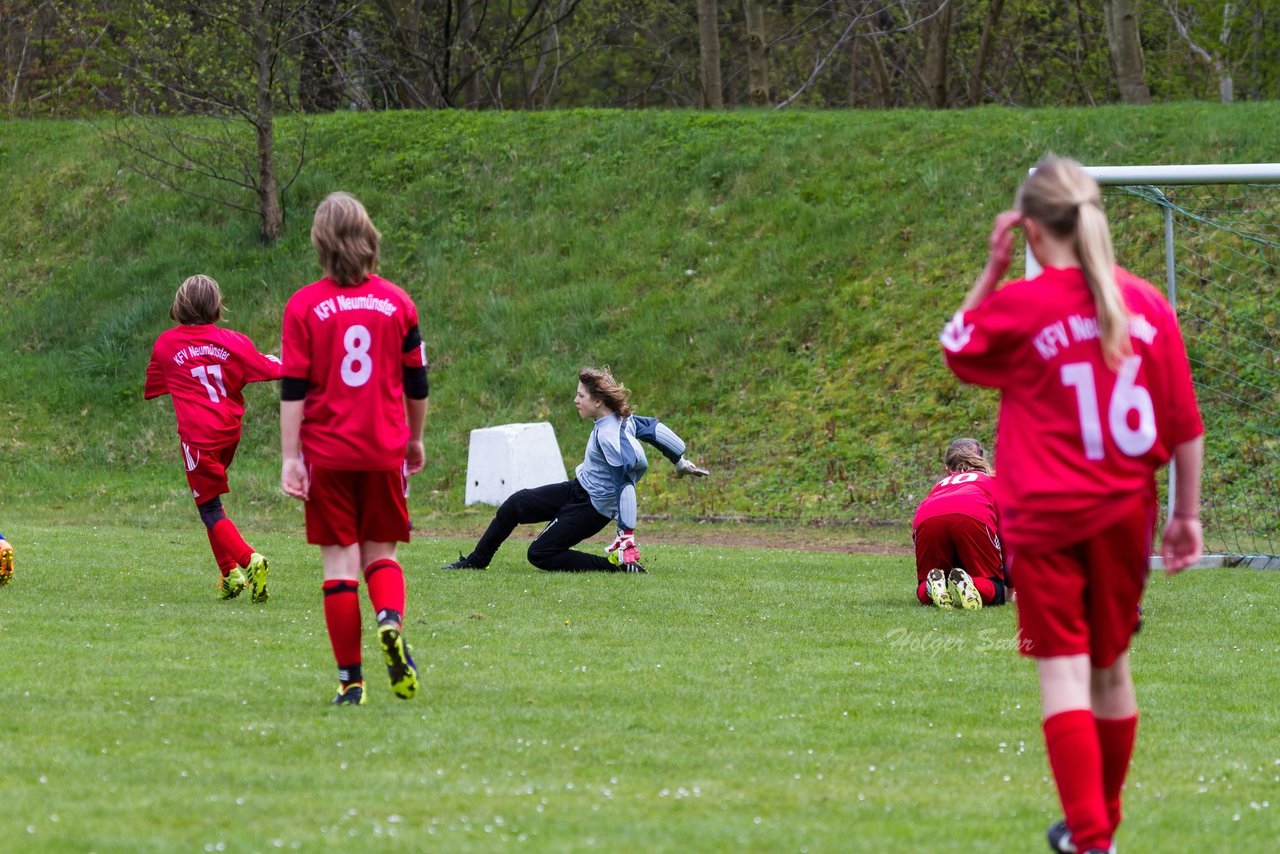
(770,284)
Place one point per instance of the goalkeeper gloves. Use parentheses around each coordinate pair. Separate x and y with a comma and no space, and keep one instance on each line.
(685,468)
(623,550)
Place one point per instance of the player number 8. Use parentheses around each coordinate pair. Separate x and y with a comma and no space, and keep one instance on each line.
(1126,397)
(357,366)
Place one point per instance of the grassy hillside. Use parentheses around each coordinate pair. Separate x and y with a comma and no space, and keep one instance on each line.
(770,284)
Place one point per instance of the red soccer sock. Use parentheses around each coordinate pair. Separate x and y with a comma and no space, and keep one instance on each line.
(987,588)
(1071,740)
(342,617)
(384,580)
(1116,737)
(225,562)
(229,539)
(922,593)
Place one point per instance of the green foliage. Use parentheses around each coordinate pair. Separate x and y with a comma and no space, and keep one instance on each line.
(731,700)
(59,57)
(770,284)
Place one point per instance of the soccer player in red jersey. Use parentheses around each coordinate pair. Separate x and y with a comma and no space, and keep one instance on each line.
(1096,395)
(6,561)
(205,368)
(353,405)
(956,535)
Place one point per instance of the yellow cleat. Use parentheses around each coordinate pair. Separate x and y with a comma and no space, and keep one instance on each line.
(935,584)
(256,573)
(962,591)
(6,566)
(400,667)
(232,584)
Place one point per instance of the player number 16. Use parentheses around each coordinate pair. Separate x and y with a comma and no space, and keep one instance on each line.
(1126,397)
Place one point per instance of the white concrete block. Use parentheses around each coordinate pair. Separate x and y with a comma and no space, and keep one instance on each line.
(510,457)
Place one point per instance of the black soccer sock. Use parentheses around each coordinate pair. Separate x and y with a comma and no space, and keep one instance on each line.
(350,675)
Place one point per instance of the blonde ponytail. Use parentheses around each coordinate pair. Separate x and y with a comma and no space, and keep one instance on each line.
(1066,200)
(1097,260)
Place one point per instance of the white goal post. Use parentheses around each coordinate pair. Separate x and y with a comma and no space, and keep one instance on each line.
(1221,242)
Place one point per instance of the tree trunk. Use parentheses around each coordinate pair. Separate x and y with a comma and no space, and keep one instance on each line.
(1226,85)
(757,55)
(994,9)
(853,73)
(546,70)
(937,42)
(1126,50)
(709,44)
(884,86)
(467,70)
(319,86)
(270,218)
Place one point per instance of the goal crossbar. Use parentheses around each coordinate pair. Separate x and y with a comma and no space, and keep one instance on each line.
(1214,173)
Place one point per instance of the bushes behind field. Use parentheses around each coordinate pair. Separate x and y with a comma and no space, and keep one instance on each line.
(769,283)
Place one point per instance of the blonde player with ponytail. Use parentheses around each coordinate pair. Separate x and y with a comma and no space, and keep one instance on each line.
(1096,395)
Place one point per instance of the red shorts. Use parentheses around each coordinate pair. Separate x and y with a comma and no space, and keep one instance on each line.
(958,541)
(349,507)
(1083,600)
(207,470)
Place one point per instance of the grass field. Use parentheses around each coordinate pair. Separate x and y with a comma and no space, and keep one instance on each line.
(732,699)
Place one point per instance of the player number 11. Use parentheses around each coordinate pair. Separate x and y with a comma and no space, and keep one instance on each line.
(202,373)
(1126,397)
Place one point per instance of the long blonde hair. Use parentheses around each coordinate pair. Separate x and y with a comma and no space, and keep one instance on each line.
(601,385)
(966,455)
(1065,199)
(345,239)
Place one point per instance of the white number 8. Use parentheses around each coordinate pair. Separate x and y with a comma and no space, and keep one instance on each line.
(357,366)
(1126,397)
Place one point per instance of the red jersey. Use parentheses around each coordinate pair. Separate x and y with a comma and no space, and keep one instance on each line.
(1074,437)
(205,368)
(968,493)
(349,345)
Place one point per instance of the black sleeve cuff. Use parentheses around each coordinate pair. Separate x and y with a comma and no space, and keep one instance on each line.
(293,388)
(415,383)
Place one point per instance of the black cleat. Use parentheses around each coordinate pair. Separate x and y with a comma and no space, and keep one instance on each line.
(465,562)
(350,695)
(632,567)
(1060,839)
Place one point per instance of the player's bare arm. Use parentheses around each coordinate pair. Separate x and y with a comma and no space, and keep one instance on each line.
(1183,540)
(1000,250)
(293,474)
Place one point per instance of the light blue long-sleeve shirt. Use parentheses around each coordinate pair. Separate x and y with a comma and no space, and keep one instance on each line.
(615,462)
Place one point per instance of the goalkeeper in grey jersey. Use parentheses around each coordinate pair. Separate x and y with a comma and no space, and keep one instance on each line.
(604,488)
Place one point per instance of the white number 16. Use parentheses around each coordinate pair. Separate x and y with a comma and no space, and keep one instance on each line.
(1126,397)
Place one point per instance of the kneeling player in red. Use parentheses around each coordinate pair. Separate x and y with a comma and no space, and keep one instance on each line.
(956,535)
(205,368)
(1095,396)
(353,405)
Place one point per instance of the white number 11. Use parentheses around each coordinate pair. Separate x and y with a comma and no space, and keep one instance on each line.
(1126,397)
(203,374)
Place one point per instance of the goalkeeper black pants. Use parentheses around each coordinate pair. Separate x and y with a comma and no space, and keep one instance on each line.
(568,509)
